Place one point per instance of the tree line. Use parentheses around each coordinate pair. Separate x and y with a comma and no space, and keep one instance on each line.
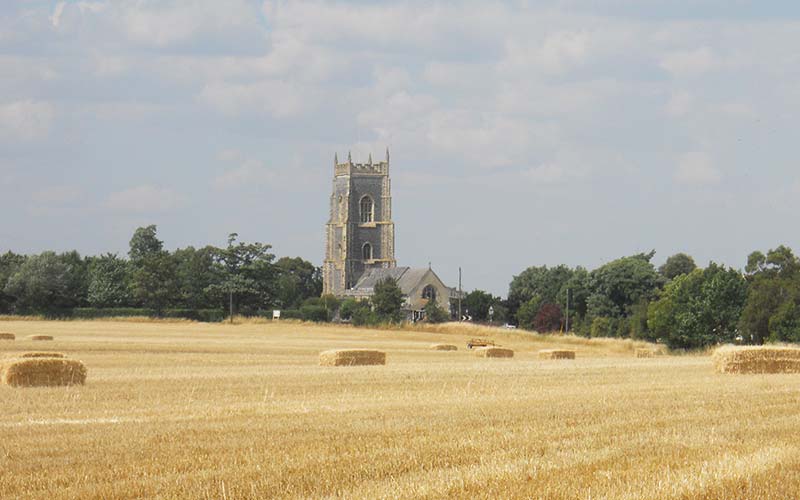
(204,282)
(679,304)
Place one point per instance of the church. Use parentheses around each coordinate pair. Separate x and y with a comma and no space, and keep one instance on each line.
(359,251)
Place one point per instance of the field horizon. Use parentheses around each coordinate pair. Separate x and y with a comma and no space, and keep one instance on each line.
(196,410)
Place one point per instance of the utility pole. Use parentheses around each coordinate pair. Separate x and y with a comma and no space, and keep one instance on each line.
(566,328)
(230,303)
(459,294)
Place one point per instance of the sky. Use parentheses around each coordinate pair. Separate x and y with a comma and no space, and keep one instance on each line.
(521,133)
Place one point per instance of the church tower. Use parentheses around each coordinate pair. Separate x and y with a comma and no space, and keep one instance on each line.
(360,231)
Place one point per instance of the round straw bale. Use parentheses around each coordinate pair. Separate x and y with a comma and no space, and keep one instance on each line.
(444,347)
(556,354)
(352,357)
(756,359)
(40,337)
(42,355)
(35,372)
(494,352)
(7,336)
(645,353)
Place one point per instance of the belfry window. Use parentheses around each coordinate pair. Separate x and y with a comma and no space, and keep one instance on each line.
(367,207)
(429,293)
(366,251)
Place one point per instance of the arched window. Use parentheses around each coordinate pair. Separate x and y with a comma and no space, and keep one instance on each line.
(366,251)
(429,293)
(367,207)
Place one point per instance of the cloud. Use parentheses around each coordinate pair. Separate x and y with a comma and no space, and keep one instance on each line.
(55,19)
(679,104)
(250,173)
(145,199)
(689,62)
(558,52)
(697,168)
(23,121)
(58,195)
(277,98)
(547,173)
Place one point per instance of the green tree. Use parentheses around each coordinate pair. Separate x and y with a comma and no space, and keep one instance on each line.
(527,312)
(699,309)
(388,300)
(109,281)
(538,281)
(478,302)
(9,264)
(616,287)
(247,275)
(434,313)
(196,272)
(154,281)
(42,284)
(773,296)
(297,280)
(677,264)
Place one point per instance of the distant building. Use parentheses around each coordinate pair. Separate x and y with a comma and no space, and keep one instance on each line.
(359,251)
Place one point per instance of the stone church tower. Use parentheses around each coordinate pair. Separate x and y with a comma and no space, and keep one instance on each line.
(360,231)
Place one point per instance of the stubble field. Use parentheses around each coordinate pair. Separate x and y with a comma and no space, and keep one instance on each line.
(186,410)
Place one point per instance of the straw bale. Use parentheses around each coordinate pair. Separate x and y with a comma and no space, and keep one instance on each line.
(40,337)
(444,347)
(556,354)
(494,352)
(352,357)
(33,372)
(645,353)
(7,336)
(42,355)
(758,359)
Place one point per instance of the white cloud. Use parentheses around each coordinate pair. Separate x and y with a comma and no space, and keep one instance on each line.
(23,121)
(547,173)
(145,199)
(55,19)
(679,104)
(689,62)
(277,98)
(250,173)
(57,195)
(697,168)
(558,52)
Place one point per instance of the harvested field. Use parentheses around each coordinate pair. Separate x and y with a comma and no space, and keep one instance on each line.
(184,410)
(645,353)
(40,337)
(494,352)
(444,347)
(38,372)
(7,336)
(42,355)
(352,357)
(757,359)
(556,354)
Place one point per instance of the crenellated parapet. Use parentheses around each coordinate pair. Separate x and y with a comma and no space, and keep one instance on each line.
(350,167)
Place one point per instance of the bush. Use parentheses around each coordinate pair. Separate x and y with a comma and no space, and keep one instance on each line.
(434,313)
(347,308)
(206,315)
(289,314)
(548,319)
(365,316)
(318,314)
(601,327)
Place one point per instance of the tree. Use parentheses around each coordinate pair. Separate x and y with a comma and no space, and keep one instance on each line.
(297,280)
(527,312)
(699,309)
(9,264)
(109,281)
(616,287)
(677,264)
(549,318)
(388,300)
(434,313)
(771,310)
(478,302)
(154,281)
(537,281)
(42,284)
(247,275)
(196,272)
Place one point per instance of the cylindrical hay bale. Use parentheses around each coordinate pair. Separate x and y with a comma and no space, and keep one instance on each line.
(645,353)
(444,347)
(42,355)
(731,359)
(494,352)
(37,372)
(40,337)
(7,336)
(556,354)
(352,357)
